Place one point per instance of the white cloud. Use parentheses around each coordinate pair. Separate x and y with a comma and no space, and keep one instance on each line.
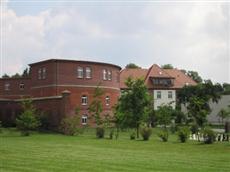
(189,36)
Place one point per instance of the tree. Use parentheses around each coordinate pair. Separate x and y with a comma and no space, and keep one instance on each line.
(164,115)
(17,75)
(25,73)
(167,66)
(131,66)
(224,114)
(95,107)
(5,76)
(195,76)
(226,88)
(133,104)
(27,120)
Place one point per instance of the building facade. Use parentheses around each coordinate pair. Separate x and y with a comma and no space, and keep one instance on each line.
(58,87)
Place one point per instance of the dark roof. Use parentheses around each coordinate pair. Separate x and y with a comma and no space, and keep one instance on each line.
(81,61)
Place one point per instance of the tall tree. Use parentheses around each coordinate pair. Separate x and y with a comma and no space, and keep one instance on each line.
(132,66)
(5,76)
(167,66)
(133,104)
(195,76)
(17,75)
(26,72)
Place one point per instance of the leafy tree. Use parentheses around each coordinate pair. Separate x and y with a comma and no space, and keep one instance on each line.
(226,87)
(131,66)
(164,115)
(17,75)
(195,76)
(96,107)
(5,76)
(224,114)
(25,73)
(167,66)
(27,120)
(133,104)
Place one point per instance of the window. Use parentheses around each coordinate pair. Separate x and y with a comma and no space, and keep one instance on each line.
(104,74)
(84,100)
(7,86)
(40,73)
(43,73)
(21,86)
(84,119)
(109,75)
(158,94)
(80,72)
(107,100)
(170,95)
(88,72)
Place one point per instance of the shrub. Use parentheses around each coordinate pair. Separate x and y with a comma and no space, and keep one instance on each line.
(111,133)
(183,134)
(100,132)
(163,135)
(209,136)
(69,126)
(146,133)
(132,136)
(194,128)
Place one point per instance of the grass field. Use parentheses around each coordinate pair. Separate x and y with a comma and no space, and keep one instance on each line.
(85,153)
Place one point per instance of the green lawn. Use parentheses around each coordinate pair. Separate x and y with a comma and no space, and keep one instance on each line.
(54,152)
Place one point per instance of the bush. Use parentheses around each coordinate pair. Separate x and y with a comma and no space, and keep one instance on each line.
(183,134)
(146,133)
(69,126)
(194,128)
(132,136)
(209,136)
(100,132)
(111,133)
(163,135)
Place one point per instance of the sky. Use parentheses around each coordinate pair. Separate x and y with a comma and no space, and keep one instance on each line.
(190,35)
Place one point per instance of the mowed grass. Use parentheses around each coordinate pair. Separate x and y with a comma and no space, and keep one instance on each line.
(85,153)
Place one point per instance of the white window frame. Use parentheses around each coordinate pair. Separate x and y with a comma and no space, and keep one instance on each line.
(158,94)
(107,100)
(7,86)
(80,72)
(84,119)
(170,94)
(43,73)
(84,100)
(88,72)
(109,75)
(39,73)
(104,72)
(21,86)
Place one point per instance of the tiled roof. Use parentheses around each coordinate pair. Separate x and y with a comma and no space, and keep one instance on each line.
(180,79)
(133,73)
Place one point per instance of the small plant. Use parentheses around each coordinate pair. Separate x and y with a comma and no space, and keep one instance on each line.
(209,136)
(163,135)
(183,134)
(100,132)
(69,125)
(111,134)
(146,133)
(132,136)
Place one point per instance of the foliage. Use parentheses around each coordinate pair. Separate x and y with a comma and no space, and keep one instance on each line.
(183,134)
(132,136)
(17,75)
(194,128)
(164,135)
(179,116)
(5,76)
(133,104)
(111,133)
(96,108)
(167,66)
(131,66)
(224,114)
(209,136)
(197,98)
(164,115)
(226,87)
(195,76)
(69,125)
(227,127)
(0,126)
(26,72)
(146,133)
(100,132)
(27,120)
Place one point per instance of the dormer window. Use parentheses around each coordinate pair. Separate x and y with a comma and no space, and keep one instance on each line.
(167,82)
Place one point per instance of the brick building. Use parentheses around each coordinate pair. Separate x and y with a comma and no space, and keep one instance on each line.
(58,87)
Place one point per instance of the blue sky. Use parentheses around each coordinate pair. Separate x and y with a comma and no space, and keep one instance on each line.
(189,35)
